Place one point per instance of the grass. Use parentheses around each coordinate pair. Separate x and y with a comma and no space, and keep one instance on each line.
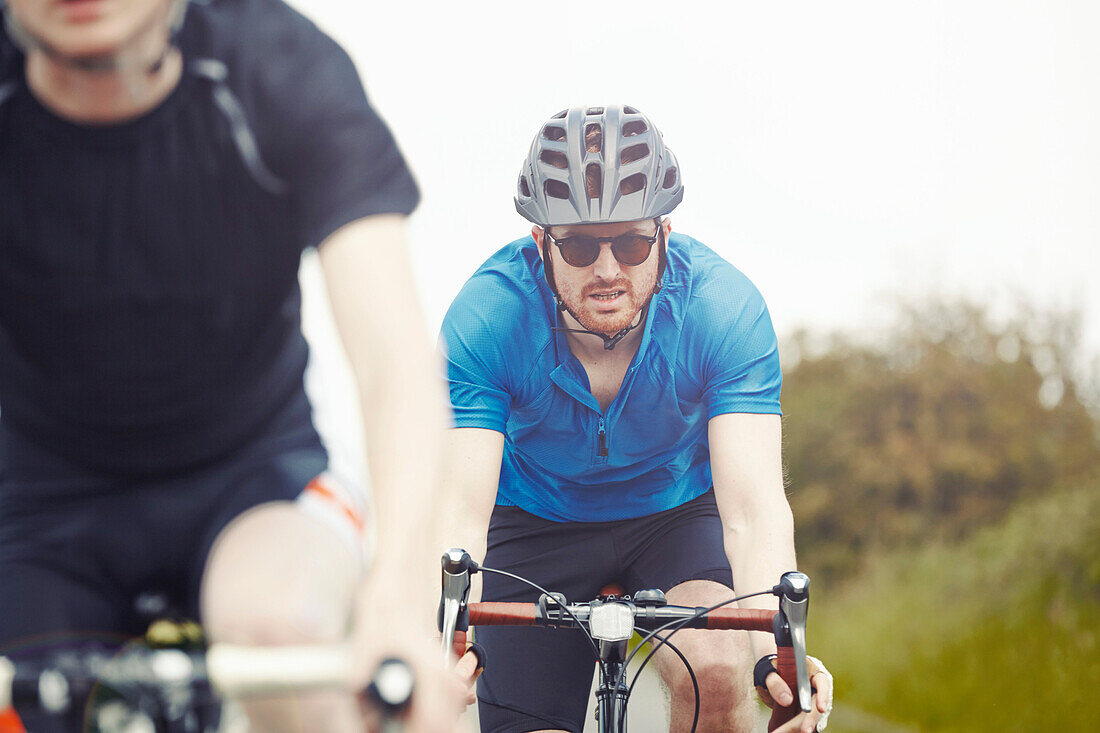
(1000,632)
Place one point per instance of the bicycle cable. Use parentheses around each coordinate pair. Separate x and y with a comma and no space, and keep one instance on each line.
(694,686)
(675,625)
(564,607)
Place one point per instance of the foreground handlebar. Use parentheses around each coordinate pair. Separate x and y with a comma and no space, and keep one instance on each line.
(238,671)
(7,679)
(231,671)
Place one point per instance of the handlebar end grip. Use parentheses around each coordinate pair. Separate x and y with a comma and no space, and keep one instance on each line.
(391,687)
(785,666)
(7,679)
(458,646)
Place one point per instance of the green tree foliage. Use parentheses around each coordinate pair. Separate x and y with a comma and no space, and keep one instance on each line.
(939,430)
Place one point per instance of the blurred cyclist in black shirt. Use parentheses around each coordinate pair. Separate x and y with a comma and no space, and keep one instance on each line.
(162,168)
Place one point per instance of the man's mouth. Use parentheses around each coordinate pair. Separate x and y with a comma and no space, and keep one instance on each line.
(80,11)
(607,296)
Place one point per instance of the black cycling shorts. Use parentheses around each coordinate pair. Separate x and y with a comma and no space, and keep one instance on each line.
(541,678)
(77,548)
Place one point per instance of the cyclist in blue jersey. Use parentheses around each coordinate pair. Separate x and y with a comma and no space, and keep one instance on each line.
(162,168)
(615,389)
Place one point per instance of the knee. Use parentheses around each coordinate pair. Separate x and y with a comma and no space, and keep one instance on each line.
(276,576)
(724,692)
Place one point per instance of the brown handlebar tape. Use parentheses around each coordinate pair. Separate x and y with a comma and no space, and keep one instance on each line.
(784,663)
(747,619)
(523,614)
(458,646)
(496,613)
(743,619)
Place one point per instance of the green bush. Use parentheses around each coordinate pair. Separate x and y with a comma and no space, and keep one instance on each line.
(1000,632)
(935,433)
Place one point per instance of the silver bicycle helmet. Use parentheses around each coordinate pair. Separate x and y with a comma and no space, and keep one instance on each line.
(593,165)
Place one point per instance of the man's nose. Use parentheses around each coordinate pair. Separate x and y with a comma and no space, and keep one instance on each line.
(606,266)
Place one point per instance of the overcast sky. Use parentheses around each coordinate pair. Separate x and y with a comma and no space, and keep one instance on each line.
(841,154)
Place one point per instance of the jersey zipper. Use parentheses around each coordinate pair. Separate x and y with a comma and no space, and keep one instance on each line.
(603,439)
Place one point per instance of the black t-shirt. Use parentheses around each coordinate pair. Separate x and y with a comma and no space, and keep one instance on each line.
(149,303)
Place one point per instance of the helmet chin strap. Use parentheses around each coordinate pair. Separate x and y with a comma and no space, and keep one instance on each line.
(609,342)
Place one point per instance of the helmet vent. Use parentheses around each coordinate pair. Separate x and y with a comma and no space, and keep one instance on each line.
(633,153)
(630,110)
(632,184)
(671,175)
(593,180)
(553,132)
(594,111)
(593,138)
(634,127)
(523,187)
(556,189)
(554,158)
(560,115)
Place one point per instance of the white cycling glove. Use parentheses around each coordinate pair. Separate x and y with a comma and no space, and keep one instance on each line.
(823,722)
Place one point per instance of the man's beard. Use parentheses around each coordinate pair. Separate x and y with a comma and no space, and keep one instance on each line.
(609,324)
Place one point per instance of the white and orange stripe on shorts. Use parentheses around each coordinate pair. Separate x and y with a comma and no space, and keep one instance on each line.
(334,502)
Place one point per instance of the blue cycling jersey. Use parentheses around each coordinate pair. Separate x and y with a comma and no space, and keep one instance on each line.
(708,348)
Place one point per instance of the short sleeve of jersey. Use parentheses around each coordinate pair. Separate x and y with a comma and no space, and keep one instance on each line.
(732,345)
(474,350)
(316,127)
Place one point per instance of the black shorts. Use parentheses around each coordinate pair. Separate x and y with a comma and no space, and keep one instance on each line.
(540,678)
(77,548)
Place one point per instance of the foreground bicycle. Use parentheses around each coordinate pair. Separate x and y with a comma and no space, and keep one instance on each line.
(172,690)
(610,622)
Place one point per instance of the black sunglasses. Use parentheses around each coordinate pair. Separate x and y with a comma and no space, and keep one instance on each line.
(582,250)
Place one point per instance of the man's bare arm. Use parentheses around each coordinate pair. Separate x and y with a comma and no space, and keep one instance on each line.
(471,474)
(746,464)
(758,528)
(374,303)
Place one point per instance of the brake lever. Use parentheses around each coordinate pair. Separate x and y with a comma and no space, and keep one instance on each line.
(794,603)
(454,614)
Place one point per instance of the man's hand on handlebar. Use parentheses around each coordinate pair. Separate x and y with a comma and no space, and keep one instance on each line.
(386,627)
(468,669)
(775,691)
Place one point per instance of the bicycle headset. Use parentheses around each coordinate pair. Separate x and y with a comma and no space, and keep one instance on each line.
(598,165)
